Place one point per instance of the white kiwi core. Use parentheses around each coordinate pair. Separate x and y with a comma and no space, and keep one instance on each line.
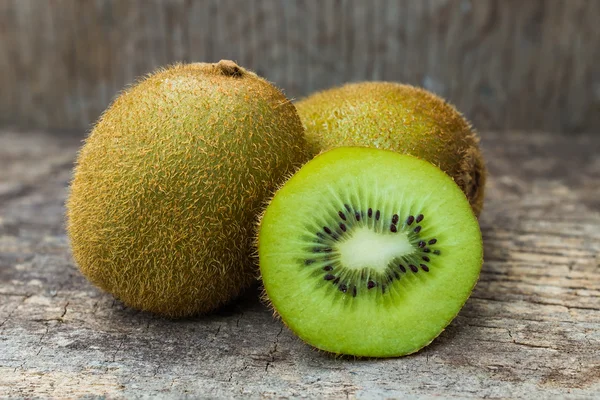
(375,250)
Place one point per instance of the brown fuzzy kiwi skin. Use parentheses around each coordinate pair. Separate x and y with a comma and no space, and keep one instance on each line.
(401,118)
(167,187)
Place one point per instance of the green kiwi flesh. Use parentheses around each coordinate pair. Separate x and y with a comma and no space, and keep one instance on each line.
(368,252)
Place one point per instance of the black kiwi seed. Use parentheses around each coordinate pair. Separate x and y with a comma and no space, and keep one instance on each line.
(354,291)
(329,277)
(347,207)
(395,219)
(437,252)
(410,220)
(426,250)
(422,244)
(371,285)
(342,227)
(417,229)
(424,267)
(402,268)
(370,212)
(413,268)
(343,288)
(327,268)
(336,280)
(357,216)
(419,218)
(433,241)
(327,230)
(425,258)
(377,215)
(342,215)
(393,228)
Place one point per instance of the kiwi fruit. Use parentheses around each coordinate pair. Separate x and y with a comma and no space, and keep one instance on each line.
(401,118)
(369,252)
(169,184)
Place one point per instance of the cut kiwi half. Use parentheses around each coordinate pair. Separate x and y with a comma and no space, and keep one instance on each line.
(368,252)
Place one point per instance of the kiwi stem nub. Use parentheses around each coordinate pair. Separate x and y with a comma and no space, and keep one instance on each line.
(230,68)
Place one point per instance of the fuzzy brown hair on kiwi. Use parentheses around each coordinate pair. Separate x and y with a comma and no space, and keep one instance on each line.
(401,118)
(169,184)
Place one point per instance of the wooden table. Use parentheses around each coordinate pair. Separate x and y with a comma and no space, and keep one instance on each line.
(531,328)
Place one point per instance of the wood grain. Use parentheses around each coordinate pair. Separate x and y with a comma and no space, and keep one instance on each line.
(507,64)
(530,330)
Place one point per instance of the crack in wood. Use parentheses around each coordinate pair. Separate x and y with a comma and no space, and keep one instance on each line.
(64,311)
(273,350)
(41,340)
(114,356)
(10,314)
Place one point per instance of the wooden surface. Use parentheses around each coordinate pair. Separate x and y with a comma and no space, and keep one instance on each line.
(507,64)
(531,328)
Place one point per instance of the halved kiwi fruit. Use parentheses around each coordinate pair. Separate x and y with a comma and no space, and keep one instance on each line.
(368,252)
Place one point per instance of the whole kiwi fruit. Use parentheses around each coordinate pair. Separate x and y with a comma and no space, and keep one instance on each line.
(401,118)
(368,252)
(169,184)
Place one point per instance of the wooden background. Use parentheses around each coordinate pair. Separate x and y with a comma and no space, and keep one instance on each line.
(530,330)
(507,64)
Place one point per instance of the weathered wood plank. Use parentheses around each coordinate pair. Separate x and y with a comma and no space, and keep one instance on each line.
(507,64)
(530,330)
